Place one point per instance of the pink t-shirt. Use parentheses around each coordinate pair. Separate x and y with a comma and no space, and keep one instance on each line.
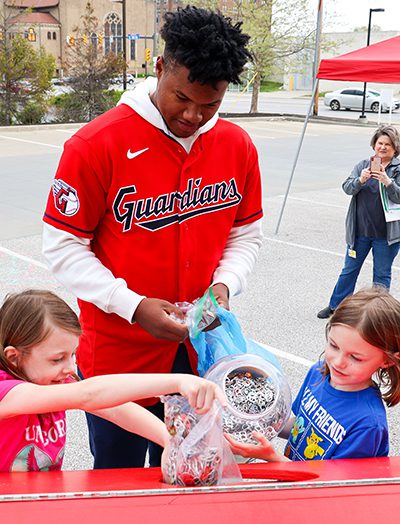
(30,442)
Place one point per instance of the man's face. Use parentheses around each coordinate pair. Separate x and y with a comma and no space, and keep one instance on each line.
(185,106)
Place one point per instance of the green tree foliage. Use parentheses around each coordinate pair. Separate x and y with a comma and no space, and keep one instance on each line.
(25,76)
(90,73)
(278,29)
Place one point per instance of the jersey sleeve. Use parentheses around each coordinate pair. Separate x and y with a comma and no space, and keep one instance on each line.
(77,198)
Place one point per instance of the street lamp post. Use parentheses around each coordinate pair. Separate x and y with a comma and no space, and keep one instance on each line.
(123,2)
(378,10)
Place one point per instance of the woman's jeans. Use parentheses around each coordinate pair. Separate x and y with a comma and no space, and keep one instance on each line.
(383,257)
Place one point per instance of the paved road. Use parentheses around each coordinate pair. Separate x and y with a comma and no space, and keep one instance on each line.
(297,103)
(296,269)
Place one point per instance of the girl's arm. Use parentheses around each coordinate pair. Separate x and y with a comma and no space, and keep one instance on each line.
(107,391)
(135,418)
(263,450)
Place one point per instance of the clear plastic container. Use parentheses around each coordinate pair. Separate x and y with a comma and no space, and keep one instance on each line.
(258,394)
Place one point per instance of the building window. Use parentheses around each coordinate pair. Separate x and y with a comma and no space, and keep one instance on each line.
(112,34)
(54,35)
(48,35)
(133,50)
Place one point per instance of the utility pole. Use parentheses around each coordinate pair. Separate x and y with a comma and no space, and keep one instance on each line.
(317,55)
(378,10)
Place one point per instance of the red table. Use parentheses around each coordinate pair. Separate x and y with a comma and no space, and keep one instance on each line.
(332,491)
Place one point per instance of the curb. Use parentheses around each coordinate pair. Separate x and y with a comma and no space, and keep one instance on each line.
(269,116)
(301,118)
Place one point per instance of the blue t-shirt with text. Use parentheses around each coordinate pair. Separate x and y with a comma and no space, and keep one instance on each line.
(331,423)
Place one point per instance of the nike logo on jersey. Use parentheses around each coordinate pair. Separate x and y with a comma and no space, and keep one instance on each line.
(136,153)
(177,206)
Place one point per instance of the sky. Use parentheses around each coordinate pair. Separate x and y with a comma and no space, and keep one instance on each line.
(355,13)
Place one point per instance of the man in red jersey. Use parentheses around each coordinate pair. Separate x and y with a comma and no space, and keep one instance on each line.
(153,202)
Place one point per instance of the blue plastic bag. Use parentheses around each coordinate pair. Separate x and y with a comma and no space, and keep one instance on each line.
(225,339)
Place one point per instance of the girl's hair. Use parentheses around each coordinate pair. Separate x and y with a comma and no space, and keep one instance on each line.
(392,134)
(375,314)
(28,318)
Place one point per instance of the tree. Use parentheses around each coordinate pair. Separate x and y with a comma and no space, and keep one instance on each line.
(25,76)
(278,29)
(90,70)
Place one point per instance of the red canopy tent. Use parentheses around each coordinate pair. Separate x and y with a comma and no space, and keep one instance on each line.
(378,62)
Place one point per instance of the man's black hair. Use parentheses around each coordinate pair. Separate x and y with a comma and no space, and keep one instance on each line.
(206,43)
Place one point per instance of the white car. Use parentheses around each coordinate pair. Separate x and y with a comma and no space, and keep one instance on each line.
(352,99)
(119,80)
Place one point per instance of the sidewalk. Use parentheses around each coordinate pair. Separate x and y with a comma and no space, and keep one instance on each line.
(294,105)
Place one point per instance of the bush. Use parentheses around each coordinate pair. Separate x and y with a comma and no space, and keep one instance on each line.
(31,113)
(72,107)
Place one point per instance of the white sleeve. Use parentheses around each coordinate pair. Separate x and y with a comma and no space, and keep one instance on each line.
(239,257)
(74,264)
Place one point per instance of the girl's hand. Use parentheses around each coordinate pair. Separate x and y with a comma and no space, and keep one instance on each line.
(365,175)
(382,177)
(200,393)
(264,450)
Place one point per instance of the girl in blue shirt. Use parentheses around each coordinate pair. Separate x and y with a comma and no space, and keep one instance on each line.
(339,410)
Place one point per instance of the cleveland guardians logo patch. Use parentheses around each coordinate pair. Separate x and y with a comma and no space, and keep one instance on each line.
(155,213)
(65,198)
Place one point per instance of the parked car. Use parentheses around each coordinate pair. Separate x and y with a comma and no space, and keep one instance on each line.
(130,79)
(352,99)
(21,87)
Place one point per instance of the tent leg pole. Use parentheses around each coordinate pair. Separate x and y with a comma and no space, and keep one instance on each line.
(297,155)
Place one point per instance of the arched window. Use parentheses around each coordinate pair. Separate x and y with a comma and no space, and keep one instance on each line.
(54,35)
(112,34)
(48,35)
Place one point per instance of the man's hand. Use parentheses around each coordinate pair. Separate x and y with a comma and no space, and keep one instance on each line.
(221,294)
(153,315)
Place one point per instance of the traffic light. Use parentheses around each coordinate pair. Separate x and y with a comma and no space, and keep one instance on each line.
(85,39)
(147,54)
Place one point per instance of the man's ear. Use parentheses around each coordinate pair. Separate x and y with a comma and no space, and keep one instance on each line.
(12,354)
(160,66)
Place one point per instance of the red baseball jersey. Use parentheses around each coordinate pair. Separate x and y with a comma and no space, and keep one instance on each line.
(157,216)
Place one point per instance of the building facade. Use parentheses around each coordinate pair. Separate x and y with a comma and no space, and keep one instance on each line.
(51,24)
(300,73)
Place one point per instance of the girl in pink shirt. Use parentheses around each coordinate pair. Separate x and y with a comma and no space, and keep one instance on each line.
(38,336)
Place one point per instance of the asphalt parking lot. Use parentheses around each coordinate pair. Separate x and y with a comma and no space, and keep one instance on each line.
(296,270)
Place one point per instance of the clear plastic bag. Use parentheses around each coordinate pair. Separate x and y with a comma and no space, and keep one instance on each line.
(197,453)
